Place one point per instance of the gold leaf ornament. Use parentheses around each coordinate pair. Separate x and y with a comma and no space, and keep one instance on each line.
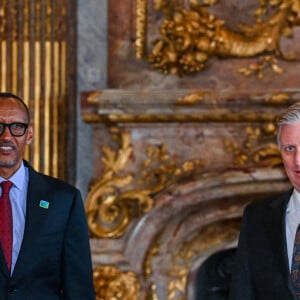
(190,36)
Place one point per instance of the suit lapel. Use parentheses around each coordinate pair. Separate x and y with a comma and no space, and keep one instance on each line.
(276,231)
(34,217)
(275,225)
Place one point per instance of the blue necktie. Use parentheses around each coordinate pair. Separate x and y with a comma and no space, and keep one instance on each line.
(295,269)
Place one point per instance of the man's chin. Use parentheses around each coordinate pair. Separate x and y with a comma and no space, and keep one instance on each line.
(7,163)
(296,184)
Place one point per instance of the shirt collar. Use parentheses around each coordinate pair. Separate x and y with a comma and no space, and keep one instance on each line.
(294,203)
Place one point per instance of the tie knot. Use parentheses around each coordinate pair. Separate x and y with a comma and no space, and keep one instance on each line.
(6,185)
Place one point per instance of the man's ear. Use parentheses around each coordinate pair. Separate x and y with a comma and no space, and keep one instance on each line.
(29,134)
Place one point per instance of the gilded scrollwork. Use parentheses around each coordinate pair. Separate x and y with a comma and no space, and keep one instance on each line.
(259,147)
(112,283)
(264,62)
(112,203)
(190,36)
(109,212)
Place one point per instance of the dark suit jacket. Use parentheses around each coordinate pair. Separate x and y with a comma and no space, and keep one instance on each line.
(262,268)
(54,260)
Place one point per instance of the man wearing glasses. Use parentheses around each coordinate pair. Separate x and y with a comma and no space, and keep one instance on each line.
(44,253)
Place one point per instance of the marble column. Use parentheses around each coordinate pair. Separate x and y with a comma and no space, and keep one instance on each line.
(91,75)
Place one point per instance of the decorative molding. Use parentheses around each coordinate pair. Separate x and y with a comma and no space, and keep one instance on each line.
(170,193)
(119,197)
(205,241)
(111,204)
(190,35)
(141,28)
(176,105)
(259,149)
(113,283)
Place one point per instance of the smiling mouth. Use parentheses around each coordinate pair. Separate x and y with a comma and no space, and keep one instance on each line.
(6,147)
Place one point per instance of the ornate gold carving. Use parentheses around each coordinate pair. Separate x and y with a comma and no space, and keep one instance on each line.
(219,116)
(192,98)
(209,237)
(108,212)
(111,283)
(141,25)
(259,148)
(266,61)
(111,204)
(278,98)
(191,35)
(181,105)
(206,240)
(93,97)
(153,251)
(152,295)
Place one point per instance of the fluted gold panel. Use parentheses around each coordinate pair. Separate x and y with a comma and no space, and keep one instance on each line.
(33,58)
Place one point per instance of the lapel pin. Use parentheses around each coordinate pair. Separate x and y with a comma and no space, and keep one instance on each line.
(44,204)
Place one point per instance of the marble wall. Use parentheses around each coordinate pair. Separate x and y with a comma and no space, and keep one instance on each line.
(125,71)
(182,156)
(92,66)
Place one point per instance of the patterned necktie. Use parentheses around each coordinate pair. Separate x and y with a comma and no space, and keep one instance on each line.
(6,224)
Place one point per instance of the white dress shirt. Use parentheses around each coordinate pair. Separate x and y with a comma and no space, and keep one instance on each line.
(18,196)
(292,221)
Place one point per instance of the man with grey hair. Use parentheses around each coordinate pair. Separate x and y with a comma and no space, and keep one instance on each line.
(268,254)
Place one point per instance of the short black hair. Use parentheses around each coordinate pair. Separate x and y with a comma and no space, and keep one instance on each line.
(11,95)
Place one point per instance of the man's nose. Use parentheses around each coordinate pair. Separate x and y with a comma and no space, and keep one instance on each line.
(6,133)
(297,158)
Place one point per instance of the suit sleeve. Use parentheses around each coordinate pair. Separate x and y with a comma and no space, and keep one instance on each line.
(241,285)
(77,265)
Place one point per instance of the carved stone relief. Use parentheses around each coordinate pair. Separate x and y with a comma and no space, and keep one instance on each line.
(172,176)
(192,33)
(184,136)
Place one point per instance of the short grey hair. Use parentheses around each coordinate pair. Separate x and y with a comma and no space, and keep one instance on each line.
(290,116)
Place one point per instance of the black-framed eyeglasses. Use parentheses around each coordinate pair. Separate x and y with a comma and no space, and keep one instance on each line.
(15,129)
